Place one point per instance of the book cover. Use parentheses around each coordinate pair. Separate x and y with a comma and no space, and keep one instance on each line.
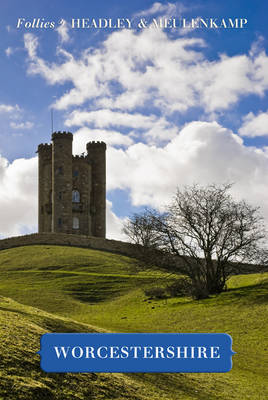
(108,109)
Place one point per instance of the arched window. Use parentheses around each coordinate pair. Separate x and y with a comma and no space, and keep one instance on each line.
(75,223)
(75,196)
(59,171)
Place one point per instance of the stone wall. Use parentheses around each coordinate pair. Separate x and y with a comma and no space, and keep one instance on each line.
(95,243)
(63,239)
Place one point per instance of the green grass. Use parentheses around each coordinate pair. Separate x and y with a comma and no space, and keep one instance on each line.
(20,375)
(80,290)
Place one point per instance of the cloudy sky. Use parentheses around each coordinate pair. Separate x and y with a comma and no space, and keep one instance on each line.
(176,105)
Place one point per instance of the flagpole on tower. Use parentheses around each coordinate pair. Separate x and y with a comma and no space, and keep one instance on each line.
(51,120)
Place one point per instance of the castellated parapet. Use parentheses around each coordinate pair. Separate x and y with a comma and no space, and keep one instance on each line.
(72,189)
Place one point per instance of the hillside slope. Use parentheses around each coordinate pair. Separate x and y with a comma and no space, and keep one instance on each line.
(20,375)
(63,289)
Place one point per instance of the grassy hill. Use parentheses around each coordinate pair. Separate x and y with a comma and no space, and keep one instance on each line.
(64,289)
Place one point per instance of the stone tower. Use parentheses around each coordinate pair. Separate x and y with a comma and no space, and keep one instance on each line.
(72,189)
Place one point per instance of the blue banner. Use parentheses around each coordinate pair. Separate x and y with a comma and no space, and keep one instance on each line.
(136,352)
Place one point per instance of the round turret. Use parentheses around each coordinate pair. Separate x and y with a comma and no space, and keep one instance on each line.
(62,182)
(97,159)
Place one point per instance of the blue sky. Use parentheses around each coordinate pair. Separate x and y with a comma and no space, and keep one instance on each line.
(175,106)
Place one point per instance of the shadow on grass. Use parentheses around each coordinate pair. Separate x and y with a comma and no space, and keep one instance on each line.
(99,290)
(251,294)
(176,383)
(256,294)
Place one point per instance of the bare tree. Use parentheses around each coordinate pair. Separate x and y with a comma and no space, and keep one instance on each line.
(141,230)
(209,232)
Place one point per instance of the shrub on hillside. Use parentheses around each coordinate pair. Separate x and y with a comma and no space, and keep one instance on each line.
(156,293)
(181,287)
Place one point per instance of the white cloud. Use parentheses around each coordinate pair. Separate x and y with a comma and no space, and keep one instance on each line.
(127,72)
(153,128)
(7,108)
(31,44)
(106,118)
(255,125)
(203,152)
(63,31)
(9,51)
(21,125)
(225,82)
(257,46)
(18,201)
(114,224)
(168,9)
(85,135)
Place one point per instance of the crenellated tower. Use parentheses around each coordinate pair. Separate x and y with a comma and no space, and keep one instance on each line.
(96,154)
(44,187)
(62,182)
(72,189)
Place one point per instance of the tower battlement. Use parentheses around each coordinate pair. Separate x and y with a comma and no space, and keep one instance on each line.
(62,135)
(44,147)
(72,189)
(96,145)
(79,158)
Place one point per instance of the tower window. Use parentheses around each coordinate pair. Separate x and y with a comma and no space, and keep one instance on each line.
(76,172)
(75,196)
(59,222)
(75,223)
(60,195)
(60,171)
